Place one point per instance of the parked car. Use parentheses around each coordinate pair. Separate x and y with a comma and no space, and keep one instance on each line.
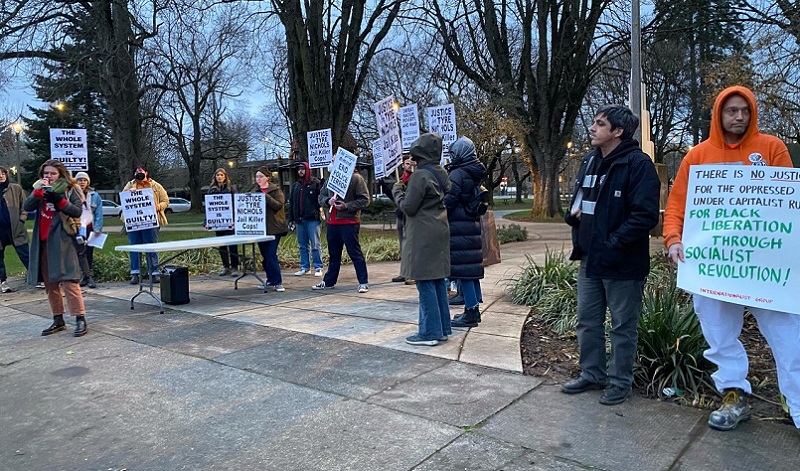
(178,205)
(381,197)
(111,208)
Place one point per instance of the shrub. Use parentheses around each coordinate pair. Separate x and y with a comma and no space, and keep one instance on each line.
(536,280)
(512,233)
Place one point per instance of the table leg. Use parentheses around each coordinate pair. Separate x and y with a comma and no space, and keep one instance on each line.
(249,261)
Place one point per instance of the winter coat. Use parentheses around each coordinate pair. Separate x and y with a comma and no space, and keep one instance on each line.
(276,209)
(466,172)
(626,209)
(356,199)
(160,195)
(62,253)
(304,198)
(14,196)
(426,249)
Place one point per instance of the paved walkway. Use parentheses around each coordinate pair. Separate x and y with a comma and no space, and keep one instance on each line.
(307,380)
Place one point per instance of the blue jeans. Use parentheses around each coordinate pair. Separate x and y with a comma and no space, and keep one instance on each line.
(22,253)
(145,236)
(339,237)
(471,289)
(624,299)
(308,232)
(434,312)
(269,252)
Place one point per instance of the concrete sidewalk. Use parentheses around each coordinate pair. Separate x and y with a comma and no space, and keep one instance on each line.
(304,380)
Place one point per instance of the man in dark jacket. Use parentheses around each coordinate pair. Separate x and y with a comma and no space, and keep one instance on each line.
(12,224)
(304,212)
(612,211)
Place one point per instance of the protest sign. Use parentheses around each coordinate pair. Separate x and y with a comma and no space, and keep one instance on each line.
(138,209)
(69,146)
(219,212)
(344,164)
(320,148)
(409,124)
(442,120)
(738,235)
(250,214)
(377,158)
(389,132)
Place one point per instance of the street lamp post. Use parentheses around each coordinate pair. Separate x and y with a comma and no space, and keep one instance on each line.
(17,127)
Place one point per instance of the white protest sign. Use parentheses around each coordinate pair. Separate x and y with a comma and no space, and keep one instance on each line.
(219,212)
(389,132)
(344,164)
(409,124)
(377,158)
(442,121)
(138,209)
(250,212)
(69,146)
(320,148)
(738,235)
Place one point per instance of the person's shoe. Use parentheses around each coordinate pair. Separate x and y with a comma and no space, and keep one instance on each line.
(469,318)
(234,272)
(80,326)
(409,281)
(615,394)
(264,286)
(91,283)
(135,279)
(84,281)
(460,317)
(224,272)
(321,285)
(443,338)
(280,288)
(579,385)
(457,300)
(5,288)
(734,409)
(417,340)
(156,278)
(301,272)
(56,326)
(398,279)
(318,272)
(40,285)
(363,288)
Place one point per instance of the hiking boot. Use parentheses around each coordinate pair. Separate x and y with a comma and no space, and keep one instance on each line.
(734,409)
(4,287)
(321,285)
(460,317)
(80,326)
(318,272)
(280,288)
(301,272)
(363,288)
(468,319)
(224,272)
(56,326)
(580,385)
(457,300)
(398,279)
(417,340)
(615,394)
(84,281)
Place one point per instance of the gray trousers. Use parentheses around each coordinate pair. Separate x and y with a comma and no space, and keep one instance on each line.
(624,299)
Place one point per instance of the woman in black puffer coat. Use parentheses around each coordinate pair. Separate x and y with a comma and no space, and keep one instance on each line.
(466,257)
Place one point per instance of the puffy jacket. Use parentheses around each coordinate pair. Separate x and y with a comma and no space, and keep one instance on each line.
(466,172)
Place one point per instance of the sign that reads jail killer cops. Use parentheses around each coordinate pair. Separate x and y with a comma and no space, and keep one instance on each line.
(389,133)
(250,214)
(320,148)
(344,164)
(219,212)
(740,235)
(138,209)
(69,146)
(442,120)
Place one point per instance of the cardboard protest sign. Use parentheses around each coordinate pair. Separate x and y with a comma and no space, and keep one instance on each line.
(442,120)
(69,146)
(409,124)
(344,164)
(138,209)
(219,212)
(320,148)
(377,158)
(739,238)
(389,132)
(250,214)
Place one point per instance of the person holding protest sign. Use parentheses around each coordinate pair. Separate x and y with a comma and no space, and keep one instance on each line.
(342,231)
(57,200)
(12,225)
(421,199)
(466,173)
(142,180)
(408,169)
(613,209)
(276,226)
(220,184)
(304,210)
(91,221)
(734,139)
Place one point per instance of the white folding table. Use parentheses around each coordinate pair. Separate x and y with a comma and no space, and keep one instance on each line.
(183,246)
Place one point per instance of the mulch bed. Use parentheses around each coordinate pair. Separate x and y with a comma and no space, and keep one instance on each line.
(554,358)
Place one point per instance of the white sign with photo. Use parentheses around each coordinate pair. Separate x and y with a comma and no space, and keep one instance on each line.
(320,148)
(250,213)
(69,146)
(138,209)
(344,164)
(219,212)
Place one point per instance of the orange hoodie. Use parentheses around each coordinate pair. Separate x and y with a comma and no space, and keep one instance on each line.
(754,149)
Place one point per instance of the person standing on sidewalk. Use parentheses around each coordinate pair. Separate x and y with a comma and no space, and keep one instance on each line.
(618,183)
(141,180)
(276,226)
(93,212)
(734,139)
(304,213)
(12,225)
(221,184)
(408,169)
(427,239)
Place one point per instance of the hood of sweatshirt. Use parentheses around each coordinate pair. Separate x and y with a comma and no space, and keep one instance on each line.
(307,176)
(716,133)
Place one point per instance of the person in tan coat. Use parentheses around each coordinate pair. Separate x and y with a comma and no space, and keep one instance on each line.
(141,181)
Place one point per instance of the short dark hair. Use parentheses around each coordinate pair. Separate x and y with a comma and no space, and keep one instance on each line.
(620,117)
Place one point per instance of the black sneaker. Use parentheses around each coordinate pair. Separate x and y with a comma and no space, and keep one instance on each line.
(579,385)
(615,394)
(734,409)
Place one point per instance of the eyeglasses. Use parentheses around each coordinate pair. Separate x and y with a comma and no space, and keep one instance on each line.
(733,111)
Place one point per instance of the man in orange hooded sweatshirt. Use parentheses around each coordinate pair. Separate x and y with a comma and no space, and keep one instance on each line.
(734,139)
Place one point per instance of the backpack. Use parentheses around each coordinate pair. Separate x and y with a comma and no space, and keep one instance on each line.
(478,202)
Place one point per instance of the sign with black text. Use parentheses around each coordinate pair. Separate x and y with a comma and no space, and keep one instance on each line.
(389,133)
(344,164)
(250,214)
(69,146)
(320,148)
(442,121)
(138,209)
(219,212)
(409,124)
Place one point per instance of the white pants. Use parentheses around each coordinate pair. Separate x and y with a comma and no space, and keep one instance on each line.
(722,323)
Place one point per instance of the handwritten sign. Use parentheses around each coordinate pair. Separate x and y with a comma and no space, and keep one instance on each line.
(409,124)
(344,164)
(320,148)
(219,212)
(250,214)
(389,132)
(69,146)
(377,158)
(739,235)
(138,209)
(442,120)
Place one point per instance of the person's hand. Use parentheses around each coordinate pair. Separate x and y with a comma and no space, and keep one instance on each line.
(676,252)
(576,213)
(339,205)
(400,185)
(332,201)
(53,197)
(38,193)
